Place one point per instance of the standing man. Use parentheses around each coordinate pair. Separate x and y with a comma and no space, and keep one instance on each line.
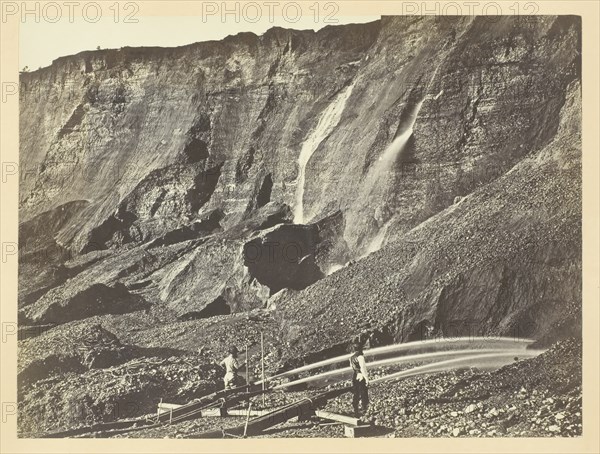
(360,379)
(231,366)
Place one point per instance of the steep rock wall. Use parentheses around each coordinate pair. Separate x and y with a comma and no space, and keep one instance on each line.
(404,115)
(506,260)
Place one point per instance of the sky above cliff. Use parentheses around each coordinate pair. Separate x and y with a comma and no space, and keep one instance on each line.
(42,42)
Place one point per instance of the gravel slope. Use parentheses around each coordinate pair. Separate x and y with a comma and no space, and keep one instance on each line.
(539,397)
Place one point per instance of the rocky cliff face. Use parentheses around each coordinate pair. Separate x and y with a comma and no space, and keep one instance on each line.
(375,178)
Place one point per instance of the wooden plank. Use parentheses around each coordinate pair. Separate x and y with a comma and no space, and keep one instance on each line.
(277,416)
(207,412)
(214,412)
(337,417)
(263,422)
(352,431)
(166,406)
(244,412)
(192,409)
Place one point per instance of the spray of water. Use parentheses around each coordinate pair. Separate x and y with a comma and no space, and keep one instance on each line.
(485,361)
(328,120)
(445,358)
(456,343)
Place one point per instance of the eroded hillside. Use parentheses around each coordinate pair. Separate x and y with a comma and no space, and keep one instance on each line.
(375,180)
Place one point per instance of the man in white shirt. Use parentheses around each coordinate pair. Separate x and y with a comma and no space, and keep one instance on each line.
(360,379)
(231,366)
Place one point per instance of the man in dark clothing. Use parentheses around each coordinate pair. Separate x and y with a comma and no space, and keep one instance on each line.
(360,379)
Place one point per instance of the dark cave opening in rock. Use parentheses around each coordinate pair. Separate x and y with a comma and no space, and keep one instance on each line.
(204,186)
(218,307)
(264,193)
(196,150)
(113,231)
(284,258)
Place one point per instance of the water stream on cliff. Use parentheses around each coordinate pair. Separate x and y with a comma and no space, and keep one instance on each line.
(335,267)
(394,150)
(385,164)
(327,122)
(377,242)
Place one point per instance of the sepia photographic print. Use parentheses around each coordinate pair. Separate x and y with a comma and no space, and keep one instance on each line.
(281,220)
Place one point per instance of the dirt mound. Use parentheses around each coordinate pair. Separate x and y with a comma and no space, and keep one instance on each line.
(94,300)
(214,335)
(104,395)
(41,256)
(63,350)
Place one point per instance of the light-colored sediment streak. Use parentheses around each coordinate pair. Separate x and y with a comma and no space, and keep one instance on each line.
(333,268)
(327,122)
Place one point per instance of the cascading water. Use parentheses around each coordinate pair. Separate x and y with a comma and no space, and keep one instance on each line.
(391,153)
(333,268)
(386,162)
(377,241)
(327,122)
(384,165)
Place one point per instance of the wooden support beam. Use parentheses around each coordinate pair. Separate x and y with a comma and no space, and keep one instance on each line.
(330,423)
(351,431)
(217,412)
(214,412)
(337,417)
(194,409)
(279,415)
(166,406)
(244,412)
(207,412)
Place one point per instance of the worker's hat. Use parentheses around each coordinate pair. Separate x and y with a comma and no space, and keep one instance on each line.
(233,349)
